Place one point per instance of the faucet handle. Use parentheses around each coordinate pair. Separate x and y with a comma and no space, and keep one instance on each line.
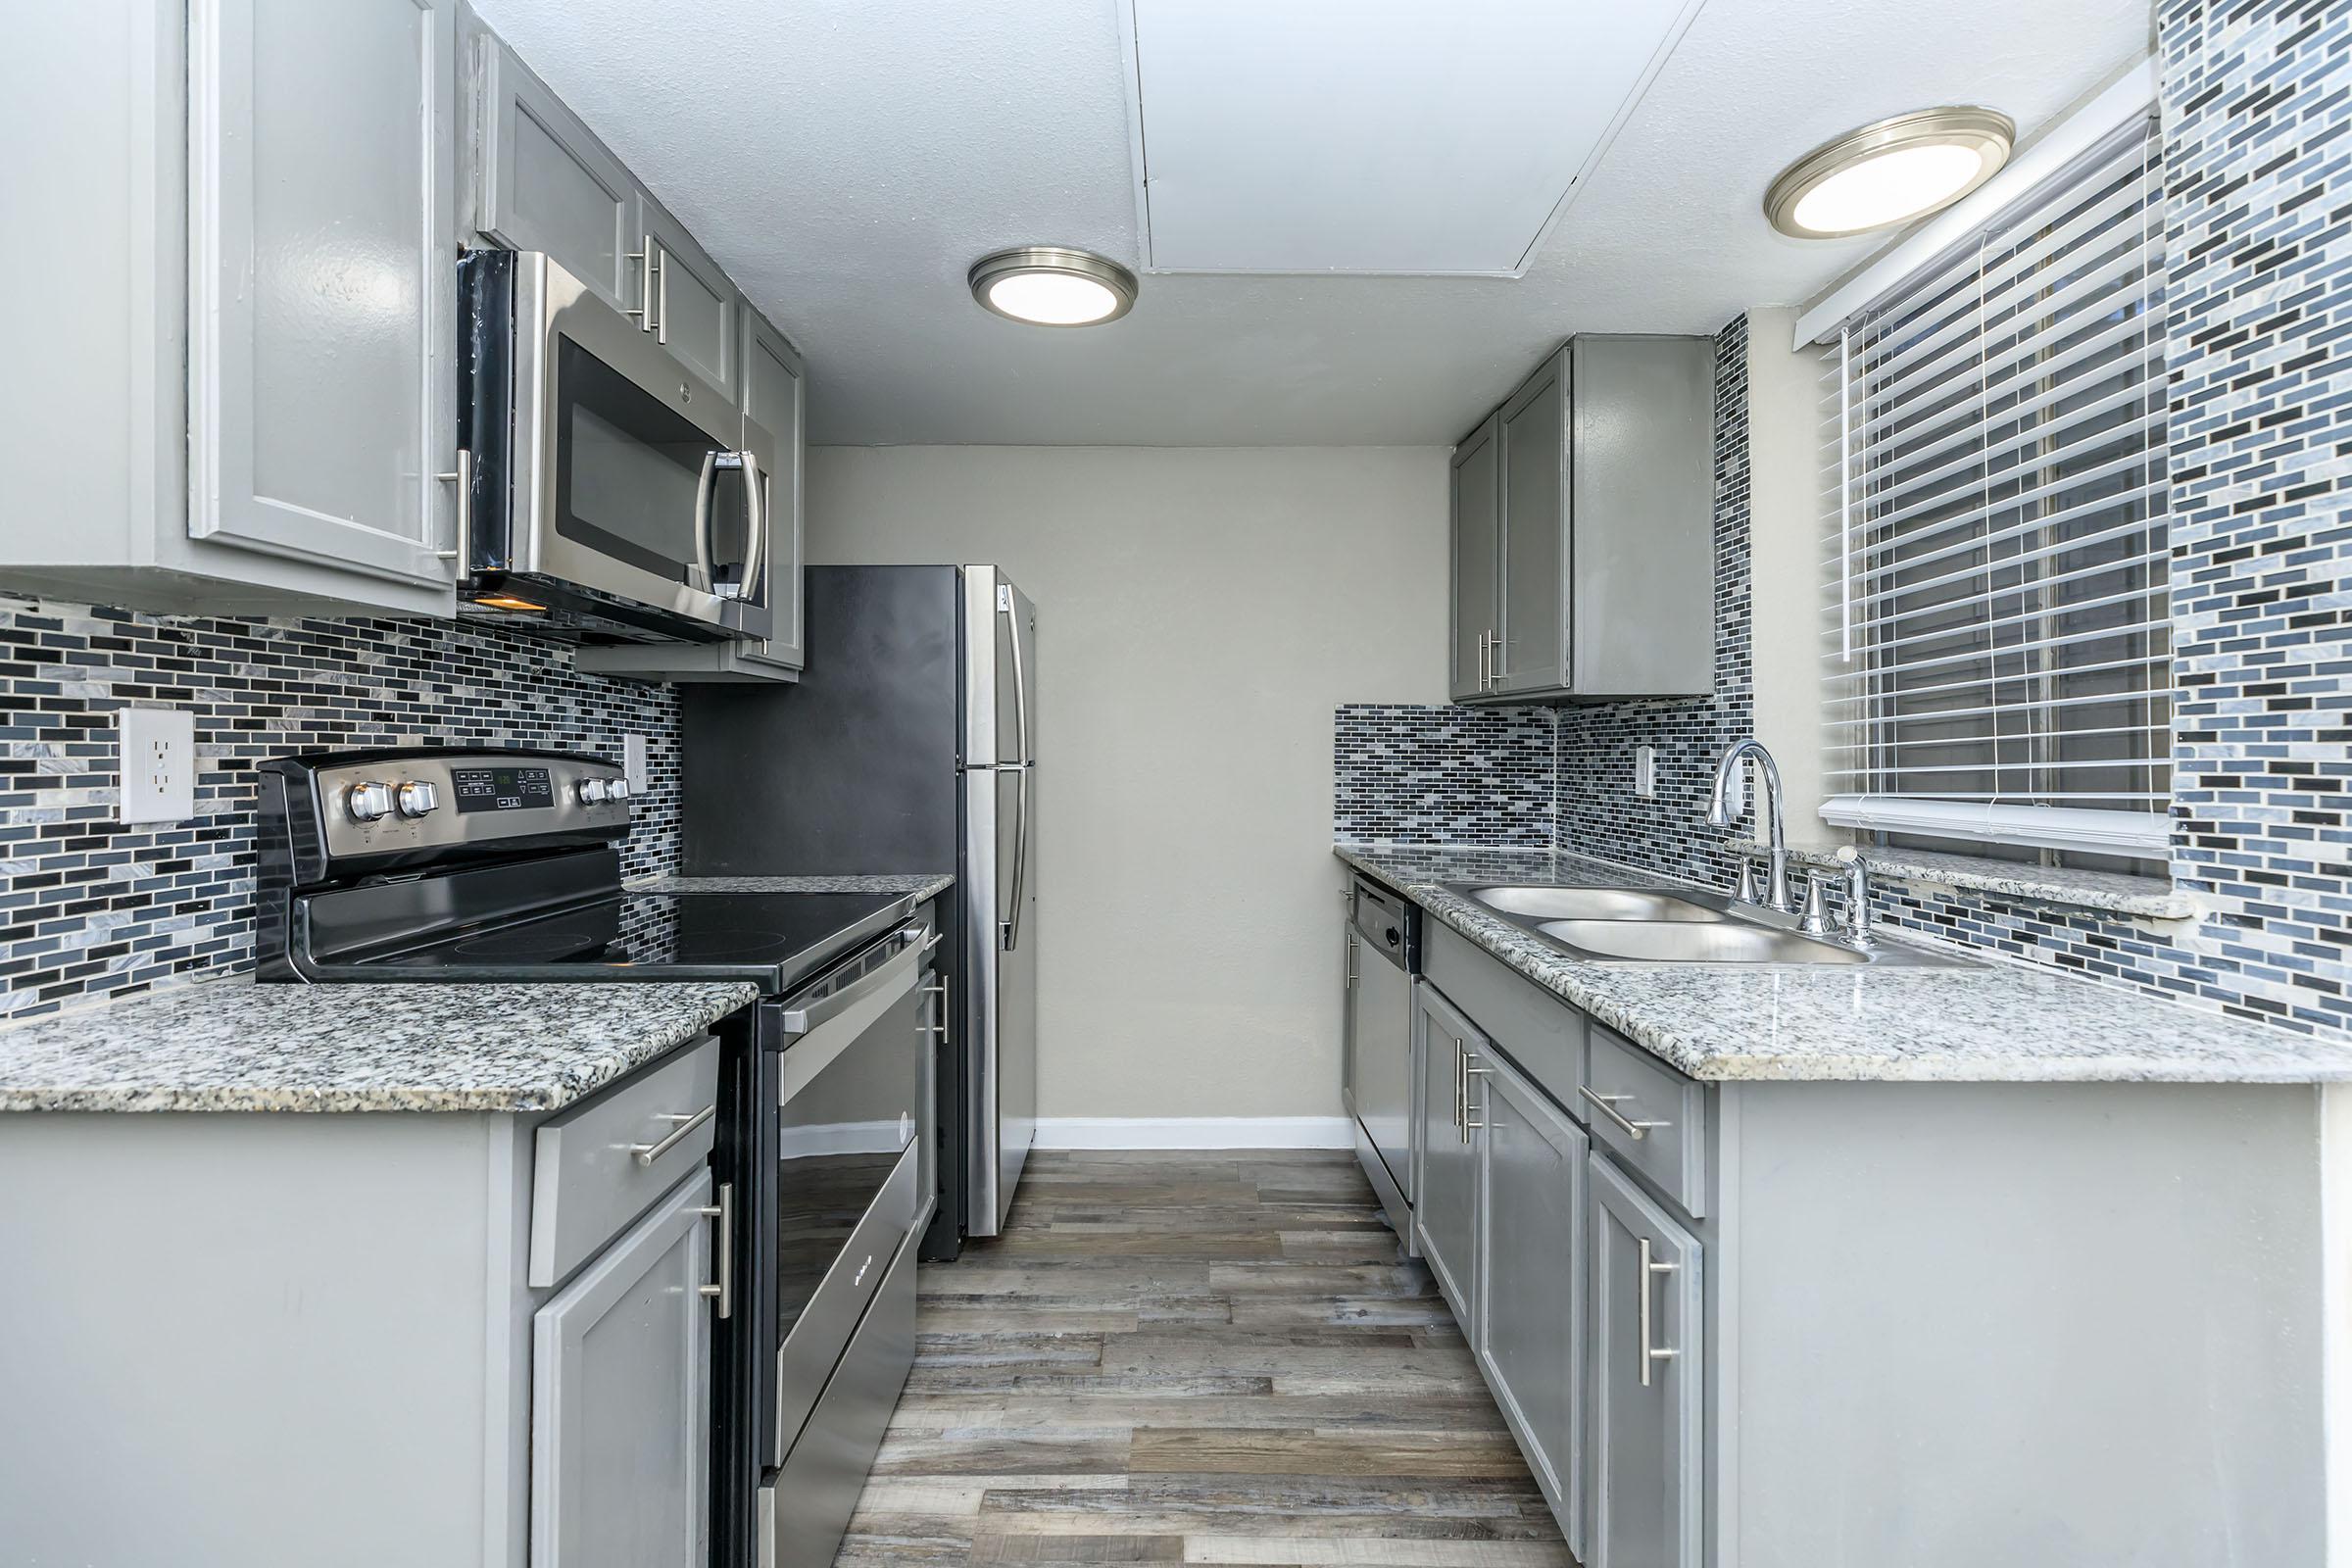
(1747,890)
(1815,921)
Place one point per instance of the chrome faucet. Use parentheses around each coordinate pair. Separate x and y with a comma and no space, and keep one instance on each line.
(1719,814)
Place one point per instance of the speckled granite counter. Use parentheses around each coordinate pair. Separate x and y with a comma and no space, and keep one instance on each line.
(2001,1022)
(921,884)
(235,1045)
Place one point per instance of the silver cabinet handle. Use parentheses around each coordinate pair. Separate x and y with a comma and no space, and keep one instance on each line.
(1494,661)
(1479,679)
(645,289)
(1607,1106)
(722,1290)
(1469,1123)
(1461,1085)
(463,478)
(1649,1352)
(647,1154)
(1347,973)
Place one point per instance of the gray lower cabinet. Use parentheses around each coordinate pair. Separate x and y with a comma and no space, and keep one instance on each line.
(1531,1289)
(621,1399)
(1476,560)
(246,389)
(542,180)
(1446,1190)
(1648,1374)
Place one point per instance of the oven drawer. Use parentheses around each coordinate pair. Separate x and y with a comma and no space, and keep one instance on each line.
(803,1516)
(602,1164)
(815,1342)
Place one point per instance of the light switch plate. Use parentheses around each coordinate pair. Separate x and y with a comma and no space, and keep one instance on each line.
(156,750)
(1645,772)
(632,760)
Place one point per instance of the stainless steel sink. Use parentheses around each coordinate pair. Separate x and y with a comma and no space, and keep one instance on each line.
(1592,903)
(1656,925)
(1691,941)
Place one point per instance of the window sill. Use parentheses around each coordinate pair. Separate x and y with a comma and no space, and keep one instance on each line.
(2146,896)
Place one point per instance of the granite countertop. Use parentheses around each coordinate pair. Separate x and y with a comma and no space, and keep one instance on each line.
(921,884)
(1998,1022)
(238,1045)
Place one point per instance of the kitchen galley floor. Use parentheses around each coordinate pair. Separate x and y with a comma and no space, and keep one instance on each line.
(1202,1357)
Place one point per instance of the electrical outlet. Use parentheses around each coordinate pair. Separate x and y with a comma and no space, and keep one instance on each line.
(155,755)
(632,762)
(1645,772)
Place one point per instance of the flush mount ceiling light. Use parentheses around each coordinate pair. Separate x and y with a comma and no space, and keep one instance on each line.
(1889,173)
(1050,286)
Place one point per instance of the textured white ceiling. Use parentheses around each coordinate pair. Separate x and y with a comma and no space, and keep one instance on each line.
(848,159)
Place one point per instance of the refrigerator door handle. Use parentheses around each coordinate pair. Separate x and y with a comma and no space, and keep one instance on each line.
(1011,928)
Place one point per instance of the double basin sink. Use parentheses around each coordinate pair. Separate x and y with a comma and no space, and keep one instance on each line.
(1654,925)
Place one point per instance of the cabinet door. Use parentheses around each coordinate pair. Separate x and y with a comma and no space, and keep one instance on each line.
(1477,506)
(696,310)
(775,391)
(1531,1289)
(1445,1197)
(1645,1374)
(321,389)
(545,183)
(620,1401)
(1534,423)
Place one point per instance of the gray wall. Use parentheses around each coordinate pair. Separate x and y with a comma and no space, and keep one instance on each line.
(1201,613)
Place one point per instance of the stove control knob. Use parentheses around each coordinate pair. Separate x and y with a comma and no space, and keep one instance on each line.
(591,791)
(368,802)
(416,797)
(618,790)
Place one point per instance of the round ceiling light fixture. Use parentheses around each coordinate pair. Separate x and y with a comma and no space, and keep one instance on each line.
(1047,286)
(1889,173)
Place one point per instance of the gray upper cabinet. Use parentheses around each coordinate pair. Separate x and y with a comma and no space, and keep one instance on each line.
(247,398)
(1533,656)
(1477,560)
(1646,1379)
(321,382)
(1446,1190)
(621,1387)
(1531,1290)
(543,182)
(1601,538)
(696,312)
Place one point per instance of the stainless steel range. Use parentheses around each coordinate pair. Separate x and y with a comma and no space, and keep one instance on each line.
(502,865)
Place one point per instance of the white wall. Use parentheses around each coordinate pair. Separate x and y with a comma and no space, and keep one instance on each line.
(1200,612)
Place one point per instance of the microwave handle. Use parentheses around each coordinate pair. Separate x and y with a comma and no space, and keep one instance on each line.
(698,571)
(754,510)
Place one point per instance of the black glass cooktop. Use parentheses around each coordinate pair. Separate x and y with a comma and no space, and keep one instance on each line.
(774,940)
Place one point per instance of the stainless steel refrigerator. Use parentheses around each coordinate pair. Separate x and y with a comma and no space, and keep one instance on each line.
(908,745)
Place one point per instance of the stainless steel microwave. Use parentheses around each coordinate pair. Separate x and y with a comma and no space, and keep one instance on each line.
(607,493)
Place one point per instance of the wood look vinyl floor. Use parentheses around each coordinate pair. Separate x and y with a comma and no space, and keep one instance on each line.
(1195,1357)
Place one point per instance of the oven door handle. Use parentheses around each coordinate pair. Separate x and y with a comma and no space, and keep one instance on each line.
(828,1024)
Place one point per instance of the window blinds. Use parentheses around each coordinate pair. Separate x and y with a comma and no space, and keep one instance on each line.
(1999,661)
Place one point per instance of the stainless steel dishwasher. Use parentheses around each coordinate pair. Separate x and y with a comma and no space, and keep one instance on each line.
(1383,949)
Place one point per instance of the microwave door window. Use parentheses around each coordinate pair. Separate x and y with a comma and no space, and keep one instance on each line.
(628,468)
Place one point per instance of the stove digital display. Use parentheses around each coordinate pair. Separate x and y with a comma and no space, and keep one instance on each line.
(502,789)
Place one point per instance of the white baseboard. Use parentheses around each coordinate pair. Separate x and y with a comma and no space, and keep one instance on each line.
(1195,1131)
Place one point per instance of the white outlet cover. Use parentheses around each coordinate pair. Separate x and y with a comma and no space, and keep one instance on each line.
(632,760)
(156,750)
(1645,772)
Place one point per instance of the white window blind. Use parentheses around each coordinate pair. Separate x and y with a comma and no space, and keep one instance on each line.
(1999,661)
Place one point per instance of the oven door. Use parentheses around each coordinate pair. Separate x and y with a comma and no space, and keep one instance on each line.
(631,479)
(850,1086)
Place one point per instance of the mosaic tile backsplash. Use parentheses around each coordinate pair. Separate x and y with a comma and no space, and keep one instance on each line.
(91,909)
